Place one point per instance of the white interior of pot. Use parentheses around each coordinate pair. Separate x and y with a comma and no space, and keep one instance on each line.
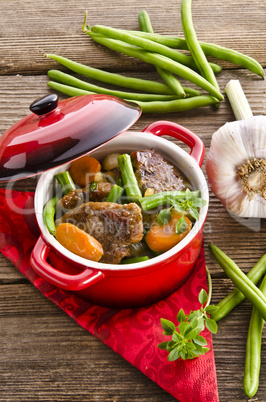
(128,142)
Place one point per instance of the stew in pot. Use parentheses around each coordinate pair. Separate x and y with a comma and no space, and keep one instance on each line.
(124,209)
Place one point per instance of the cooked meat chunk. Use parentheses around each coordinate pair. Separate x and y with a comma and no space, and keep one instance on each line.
(72,199)
(77,197)
(101,191)
(149,218)
(115,226)
(112,175)
(153,171)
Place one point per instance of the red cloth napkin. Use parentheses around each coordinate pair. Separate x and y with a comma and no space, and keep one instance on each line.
(135,333)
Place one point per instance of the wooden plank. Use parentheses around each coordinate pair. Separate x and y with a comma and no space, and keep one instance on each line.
(45,354)
(27,31)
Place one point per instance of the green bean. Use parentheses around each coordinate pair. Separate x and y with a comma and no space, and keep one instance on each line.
(145,22)
(233,56)
(113,78)
(67,79)
(210,49)
(128,176)
(234,298)
(115,193)
(49,213)
(66,184)
(73,91)
(173,42)
(253,350)
(158,199)
(193,44)
(172,82)
(190,92)
(67,90)
(145,44)
(135,259)
(167,76)
(157,60)
(240,280)
(65,181)
(178,105)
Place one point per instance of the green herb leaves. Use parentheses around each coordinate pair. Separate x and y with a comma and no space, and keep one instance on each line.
(185,202)
(188,203)
(181,225)
(186,342)
(203,296)
(164,216)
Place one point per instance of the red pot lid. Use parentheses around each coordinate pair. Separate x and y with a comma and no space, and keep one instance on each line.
(57,133)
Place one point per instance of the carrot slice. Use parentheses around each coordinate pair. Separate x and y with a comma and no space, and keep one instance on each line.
(162,238)
(78,242)
(84,169)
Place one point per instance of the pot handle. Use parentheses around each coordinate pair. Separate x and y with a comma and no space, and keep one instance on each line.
(80,281)
(164,127)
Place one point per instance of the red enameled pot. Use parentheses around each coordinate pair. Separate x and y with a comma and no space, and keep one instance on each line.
(126,285)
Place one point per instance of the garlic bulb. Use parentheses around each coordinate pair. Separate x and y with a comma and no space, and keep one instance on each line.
(236,163)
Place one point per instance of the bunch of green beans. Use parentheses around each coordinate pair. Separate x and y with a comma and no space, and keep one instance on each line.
(153,58)
(246,287)
(161,52)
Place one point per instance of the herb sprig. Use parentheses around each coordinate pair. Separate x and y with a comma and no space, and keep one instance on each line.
(186,202)
(186,342)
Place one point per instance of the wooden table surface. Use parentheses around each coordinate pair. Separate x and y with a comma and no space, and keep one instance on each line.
(45,355)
